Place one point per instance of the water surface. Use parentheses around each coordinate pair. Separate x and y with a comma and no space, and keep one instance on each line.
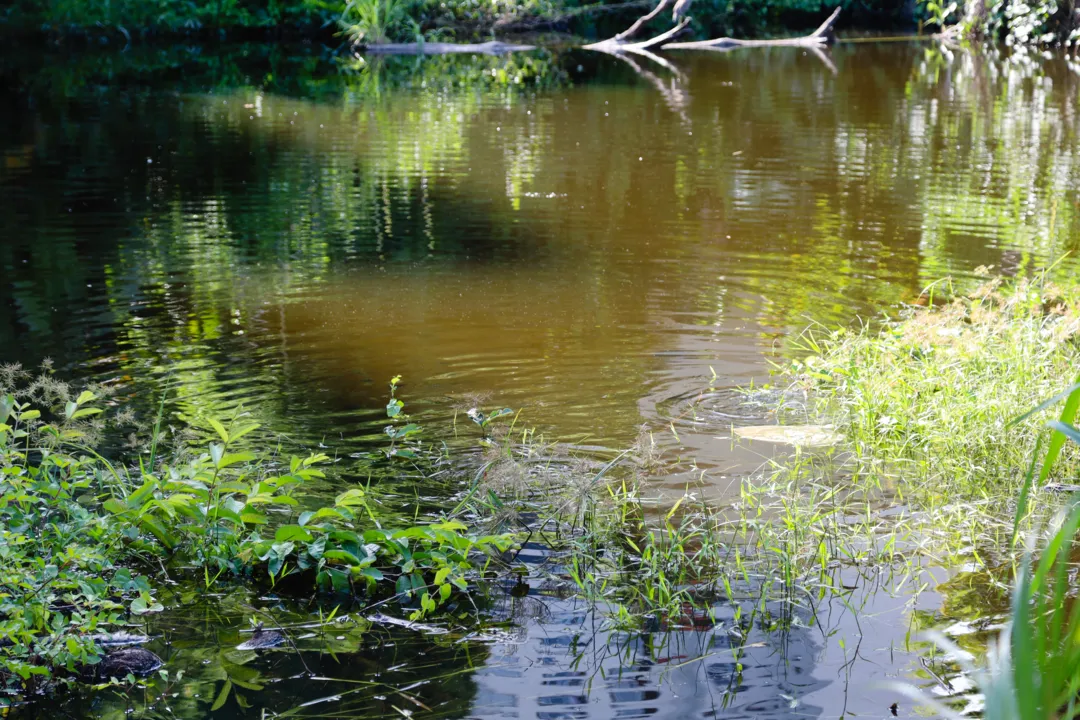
(585,238)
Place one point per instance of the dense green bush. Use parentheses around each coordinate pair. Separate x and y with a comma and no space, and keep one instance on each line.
(1016,22)
(378,21)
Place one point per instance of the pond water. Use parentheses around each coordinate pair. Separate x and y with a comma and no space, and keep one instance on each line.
(584,238)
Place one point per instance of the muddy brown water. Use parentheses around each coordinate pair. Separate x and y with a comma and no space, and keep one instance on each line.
(584,238)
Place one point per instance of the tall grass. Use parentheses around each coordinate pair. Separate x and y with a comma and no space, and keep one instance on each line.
(934,408)
(1032,671)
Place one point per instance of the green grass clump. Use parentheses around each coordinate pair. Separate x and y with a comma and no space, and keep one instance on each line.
(1032,670)
(928,402)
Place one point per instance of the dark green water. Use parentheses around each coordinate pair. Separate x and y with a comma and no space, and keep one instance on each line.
(581,237)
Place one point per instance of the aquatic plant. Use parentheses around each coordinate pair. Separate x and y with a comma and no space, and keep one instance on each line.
(81,537)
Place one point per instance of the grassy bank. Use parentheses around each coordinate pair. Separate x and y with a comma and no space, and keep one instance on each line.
(941,413)
(935,405)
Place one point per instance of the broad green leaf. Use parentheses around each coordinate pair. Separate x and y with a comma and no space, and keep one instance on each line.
(115,506)
(253,517)
(351,498)
(243,430)
(254,687)
(292,533)
(235,458)
(393,408)
(221,431)
(323,513)
(158,530)
(144,606)
(343,555)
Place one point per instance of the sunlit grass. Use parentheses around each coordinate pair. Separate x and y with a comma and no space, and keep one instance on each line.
(1032,669)
(934,406)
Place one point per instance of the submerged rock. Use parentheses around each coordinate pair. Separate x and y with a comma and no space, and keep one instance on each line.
(120,663)
(804,435)
(119,639)
(262,640)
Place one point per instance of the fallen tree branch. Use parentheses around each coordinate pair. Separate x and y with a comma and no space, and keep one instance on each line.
(640,22)
(487,48)
(822,36)
(614,45)
(823,58)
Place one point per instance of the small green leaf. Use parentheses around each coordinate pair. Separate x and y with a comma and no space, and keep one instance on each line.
(222,696)
(144,605)
(235,458)
(114,506)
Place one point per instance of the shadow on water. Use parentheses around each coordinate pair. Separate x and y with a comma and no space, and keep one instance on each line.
(577,236)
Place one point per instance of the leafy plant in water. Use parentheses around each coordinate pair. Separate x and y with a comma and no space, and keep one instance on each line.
(74,528)
(483,420)
(395,410)
(61,582)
